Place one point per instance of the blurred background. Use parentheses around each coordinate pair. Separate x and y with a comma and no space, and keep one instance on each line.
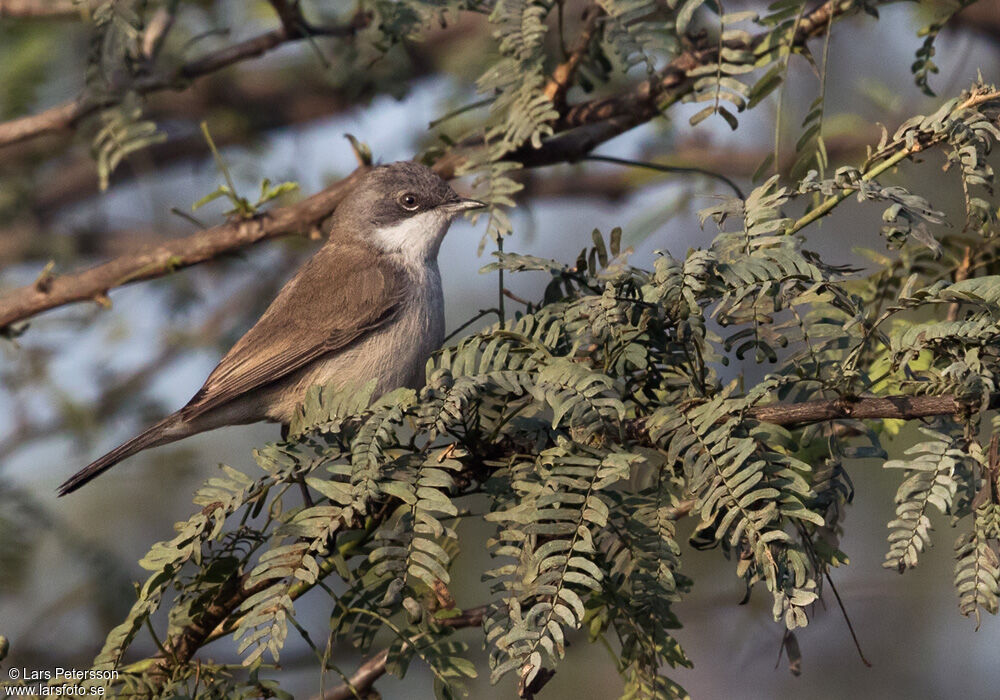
(83,378)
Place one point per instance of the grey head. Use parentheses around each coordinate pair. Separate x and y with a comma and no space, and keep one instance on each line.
(402,208)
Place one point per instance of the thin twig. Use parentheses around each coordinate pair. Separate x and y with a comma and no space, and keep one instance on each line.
(668,169)
(510,295)
(961,274)
(562,76)
(681,510)
(156,31)
(847,618)
(893,154)
(481,314)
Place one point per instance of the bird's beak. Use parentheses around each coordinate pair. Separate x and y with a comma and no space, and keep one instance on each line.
(461,205)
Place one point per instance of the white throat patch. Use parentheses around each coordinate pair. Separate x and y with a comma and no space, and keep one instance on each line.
(417,238)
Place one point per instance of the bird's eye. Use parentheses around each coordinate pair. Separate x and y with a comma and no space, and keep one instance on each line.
(408,202)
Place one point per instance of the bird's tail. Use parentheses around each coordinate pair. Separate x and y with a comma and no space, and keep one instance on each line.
(163,432)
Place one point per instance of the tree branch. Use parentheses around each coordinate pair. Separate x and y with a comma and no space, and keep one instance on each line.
(865,408)
(45,9)
(582,128)
(94,284)
(51,120)
(256,46)
(374,668)
(673,81)
(68,114)
(197,633)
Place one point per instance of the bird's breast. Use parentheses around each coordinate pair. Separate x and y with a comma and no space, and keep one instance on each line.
(394,354)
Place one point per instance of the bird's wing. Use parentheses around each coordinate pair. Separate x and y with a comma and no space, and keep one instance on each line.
(313,315)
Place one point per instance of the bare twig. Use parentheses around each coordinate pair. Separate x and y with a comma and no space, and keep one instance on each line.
(562,76)
(847,618)
(45,9)
(520,300)
(482,314)
(156,32)
(681,510)
(670,169)
(256,46)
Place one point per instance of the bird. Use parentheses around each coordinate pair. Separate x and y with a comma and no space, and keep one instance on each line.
(367,306)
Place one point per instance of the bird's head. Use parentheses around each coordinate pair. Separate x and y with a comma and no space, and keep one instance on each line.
(403,208)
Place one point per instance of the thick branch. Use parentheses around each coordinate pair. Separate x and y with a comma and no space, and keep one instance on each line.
(872,408)
(68,114)
(374,668)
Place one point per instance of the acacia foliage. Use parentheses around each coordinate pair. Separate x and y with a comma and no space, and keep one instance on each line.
(585,427)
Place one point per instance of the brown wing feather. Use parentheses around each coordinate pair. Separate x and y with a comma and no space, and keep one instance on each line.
(341,294)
